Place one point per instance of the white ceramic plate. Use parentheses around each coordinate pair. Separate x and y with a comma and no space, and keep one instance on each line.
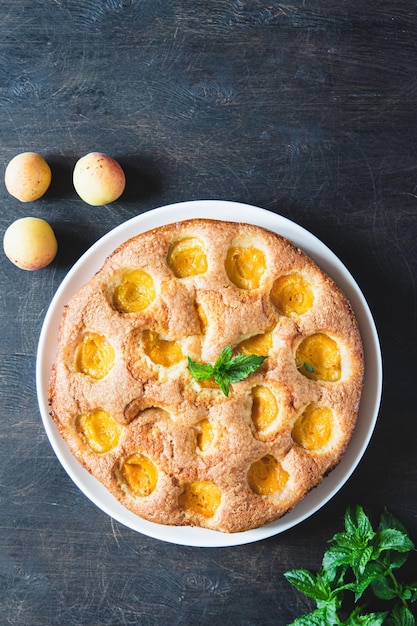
(94,258)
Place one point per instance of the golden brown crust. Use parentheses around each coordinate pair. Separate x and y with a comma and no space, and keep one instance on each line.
(160,409)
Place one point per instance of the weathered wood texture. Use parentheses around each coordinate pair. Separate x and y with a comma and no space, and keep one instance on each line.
(304,108)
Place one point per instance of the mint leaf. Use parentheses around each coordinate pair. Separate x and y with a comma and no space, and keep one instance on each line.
(392,539)
(383,589)
(224,358)
(223,381)
(400,616)
(353,552)
(394,546)
(308,584)
(336,561)
(367,619)
(394,560)
(373,572)
(200,371)
(308,368)
(242,366)
(388,520)
(303,580)
(357,524)
(361,559)
(227,369)
(319,617)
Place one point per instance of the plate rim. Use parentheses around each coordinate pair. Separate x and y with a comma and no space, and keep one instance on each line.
(223,210)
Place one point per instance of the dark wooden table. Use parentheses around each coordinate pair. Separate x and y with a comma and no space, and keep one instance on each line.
(308,109)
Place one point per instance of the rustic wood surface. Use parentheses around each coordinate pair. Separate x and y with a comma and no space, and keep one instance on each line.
(308,109)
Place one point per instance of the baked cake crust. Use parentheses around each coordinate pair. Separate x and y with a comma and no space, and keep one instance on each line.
(178,452)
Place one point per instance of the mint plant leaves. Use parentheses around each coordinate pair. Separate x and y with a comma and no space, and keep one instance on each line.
(227,369)
(362,561)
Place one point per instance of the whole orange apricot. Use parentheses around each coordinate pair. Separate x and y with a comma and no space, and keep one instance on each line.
(98,179)
(27,176)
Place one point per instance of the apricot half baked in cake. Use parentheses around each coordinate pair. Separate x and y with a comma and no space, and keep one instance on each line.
(209,374)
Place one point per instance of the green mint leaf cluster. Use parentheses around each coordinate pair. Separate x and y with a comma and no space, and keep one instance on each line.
(362,561)
(227,369)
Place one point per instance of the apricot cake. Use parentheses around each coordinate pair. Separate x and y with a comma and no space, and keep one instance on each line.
(222,451)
